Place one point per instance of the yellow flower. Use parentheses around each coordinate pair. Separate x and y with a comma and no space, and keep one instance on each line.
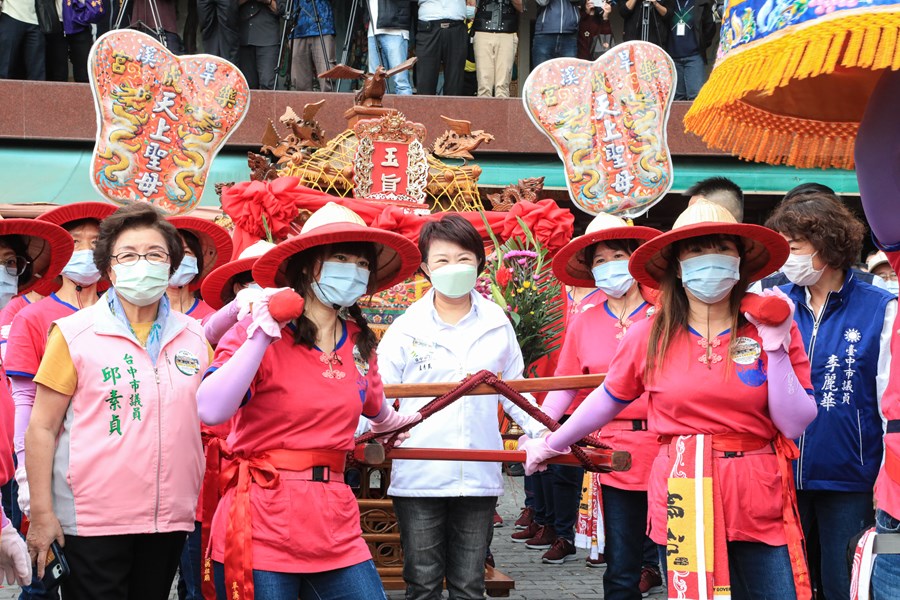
(520,290)
(526,285)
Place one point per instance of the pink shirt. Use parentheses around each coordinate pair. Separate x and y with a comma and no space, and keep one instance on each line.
(887,491)
(7,406)
(729,394)
(28,334)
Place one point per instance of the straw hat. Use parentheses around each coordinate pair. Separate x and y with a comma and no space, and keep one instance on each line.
(568,264)
(397,258)
(764,250)
(216,289)
(48,246)
(214,240)
(876,260)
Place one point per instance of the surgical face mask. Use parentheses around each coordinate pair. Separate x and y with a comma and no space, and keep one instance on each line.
(185,272)
(341,284)
(613,278)
(710,277)
(81,268)
(454,281)
(893,286)
(470,12)
(9,287)
(142,283)
(799,269)
(254,286)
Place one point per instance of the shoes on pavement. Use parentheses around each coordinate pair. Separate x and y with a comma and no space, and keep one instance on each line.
(515,470)
(526,518)
(526,534)
(498,520)
(651,581)
(561,551)
(543,539)
(489,560)
(595,562)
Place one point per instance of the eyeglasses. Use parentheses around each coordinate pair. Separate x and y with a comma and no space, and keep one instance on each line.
(156,257)
(16,265)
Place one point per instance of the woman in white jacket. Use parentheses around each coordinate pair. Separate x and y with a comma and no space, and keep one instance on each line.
(445,508)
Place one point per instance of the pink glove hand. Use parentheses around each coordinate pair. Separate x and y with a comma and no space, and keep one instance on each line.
(15,564)
(537,453)
(389,420)
(259,309)
(774,336)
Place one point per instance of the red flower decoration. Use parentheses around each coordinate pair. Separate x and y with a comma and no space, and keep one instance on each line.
(504,276)
(551,225)
(248,202)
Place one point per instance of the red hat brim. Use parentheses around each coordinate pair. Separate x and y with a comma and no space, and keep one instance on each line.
(215,240)
(568,265)
(397,258)
(49,247)
(765,250)
(216,287)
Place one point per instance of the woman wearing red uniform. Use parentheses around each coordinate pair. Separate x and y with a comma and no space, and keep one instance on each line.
(288,526)
(600,257)
(206,247)
(723,468)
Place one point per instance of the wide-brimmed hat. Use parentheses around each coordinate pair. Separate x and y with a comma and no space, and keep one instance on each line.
(568,264)
(764,250)
(216,289)
(397,258)
(214,240)
(876,260)
(49,247)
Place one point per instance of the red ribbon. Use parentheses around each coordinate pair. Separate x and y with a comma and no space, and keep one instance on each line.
(215,448)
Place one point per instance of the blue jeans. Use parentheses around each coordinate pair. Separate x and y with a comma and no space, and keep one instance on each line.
(835,517)
(557,492)
(191,566)
(545,46)
(758,571)
(691,72)
(886,574)
(528,484)
(626,553)
(393,51)
(357,582)
(444,537)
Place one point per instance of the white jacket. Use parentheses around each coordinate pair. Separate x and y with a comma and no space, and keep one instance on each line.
(420,348)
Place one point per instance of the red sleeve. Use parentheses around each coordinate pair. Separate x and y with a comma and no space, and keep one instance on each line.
(893,257)
(799,359)
(25,347)
(374,391)
(226,348)
(625,378)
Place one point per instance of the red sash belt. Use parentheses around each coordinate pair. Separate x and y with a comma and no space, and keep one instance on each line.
(215,448)
(263,470)
(625,425)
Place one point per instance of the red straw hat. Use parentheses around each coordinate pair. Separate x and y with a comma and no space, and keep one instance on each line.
(49,248)
(217,287)
(568,264)
(215,241)
(397,258)
(764,250)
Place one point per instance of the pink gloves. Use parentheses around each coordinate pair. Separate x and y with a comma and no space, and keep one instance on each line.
(15,563)
(388,420)
(537,453)
(774,336)
(257,304)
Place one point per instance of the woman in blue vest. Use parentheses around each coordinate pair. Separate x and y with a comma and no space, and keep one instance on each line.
(846,326)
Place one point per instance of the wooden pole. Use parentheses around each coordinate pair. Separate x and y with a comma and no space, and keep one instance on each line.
(540,384)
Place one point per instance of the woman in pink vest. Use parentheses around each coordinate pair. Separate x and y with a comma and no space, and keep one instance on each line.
(288,526)
(113,446)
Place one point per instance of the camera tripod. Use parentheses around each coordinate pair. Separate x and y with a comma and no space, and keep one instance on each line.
(156,31)
(286,47)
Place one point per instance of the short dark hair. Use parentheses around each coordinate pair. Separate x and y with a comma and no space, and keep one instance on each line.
(193,242)
(19,246)
(626,246)
(832,229)
(809,188)
(723,192)
(455,229)
(136,216)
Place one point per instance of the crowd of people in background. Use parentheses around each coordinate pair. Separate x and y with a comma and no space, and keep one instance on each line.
(463,47)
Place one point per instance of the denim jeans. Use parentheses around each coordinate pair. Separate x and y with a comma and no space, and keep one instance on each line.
(393,51)
(528,483)
(545,46)
(758,571)
(356,582)
(626,553)
(190,568)
(886,574)
(444,537)
(836,517)
(691,72)
(557,492)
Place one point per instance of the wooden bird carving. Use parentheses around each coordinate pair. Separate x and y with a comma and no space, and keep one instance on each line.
(375,85)
(459,141)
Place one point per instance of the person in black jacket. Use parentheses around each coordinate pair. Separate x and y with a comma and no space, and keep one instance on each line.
(388,34)
(691,31)
(260,34)
(636,12)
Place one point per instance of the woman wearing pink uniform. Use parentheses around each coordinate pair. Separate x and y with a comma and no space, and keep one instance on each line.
(600,257)
(287,526)
(206,247)
(724,432)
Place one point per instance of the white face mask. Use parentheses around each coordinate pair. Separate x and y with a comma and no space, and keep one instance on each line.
(454,281)
(799,269)
(9,287)
(893,286)
(185,272)
(142,283)
(613,278)
(341,284)
(710,277)
(81,268)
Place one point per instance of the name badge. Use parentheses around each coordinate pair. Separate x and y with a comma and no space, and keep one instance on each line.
(679,28)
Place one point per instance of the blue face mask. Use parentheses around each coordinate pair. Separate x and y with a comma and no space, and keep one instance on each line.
(185,272)
(710,277)
(341,284)
(470,12)
(613,278)
(893,286)
(9,287)
(81,268)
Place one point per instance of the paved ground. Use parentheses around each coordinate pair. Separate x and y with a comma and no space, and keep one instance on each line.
(534,580)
